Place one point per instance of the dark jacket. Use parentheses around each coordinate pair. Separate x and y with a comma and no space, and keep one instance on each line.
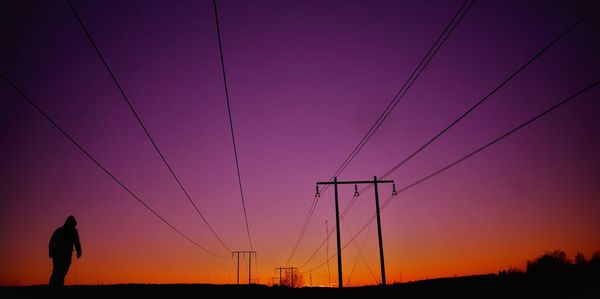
(63,239)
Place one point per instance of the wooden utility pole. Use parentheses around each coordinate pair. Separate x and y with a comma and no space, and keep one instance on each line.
(280,275)
(381,261)
(244,252)
(375,182)
(327,253)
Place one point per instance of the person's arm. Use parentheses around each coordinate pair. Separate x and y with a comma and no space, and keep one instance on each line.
(51,245)
(77,244)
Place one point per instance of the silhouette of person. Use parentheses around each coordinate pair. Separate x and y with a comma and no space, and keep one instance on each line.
(60,250)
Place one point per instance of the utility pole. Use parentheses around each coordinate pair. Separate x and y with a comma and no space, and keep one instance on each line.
(244,252)
(327,253)
(375,182)
(337,228)
(381,261)
(280,278)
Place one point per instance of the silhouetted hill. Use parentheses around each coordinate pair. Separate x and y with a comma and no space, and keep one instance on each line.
(483,286)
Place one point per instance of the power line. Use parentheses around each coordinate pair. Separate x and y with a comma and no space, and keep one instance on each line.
(137,117)
(521,68)
(318,249)
(360,255)
(304,227)
(409,82)
(462,159)
(237,163)
(456,19)
(554,41)
(352,240)
(478,150)
(343,247)
(538,116)
(57,126)
(481,101)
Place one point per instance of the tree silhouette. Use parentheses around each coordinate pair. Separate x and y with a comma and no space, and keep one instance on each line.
(294,280)
(580,259)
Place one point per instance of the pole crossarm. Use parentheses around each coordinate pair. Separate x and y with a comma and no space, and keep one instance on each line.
(356,182)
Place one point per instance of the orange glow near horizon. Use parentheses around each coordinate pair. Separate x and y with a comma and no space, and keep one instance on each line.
(471,250)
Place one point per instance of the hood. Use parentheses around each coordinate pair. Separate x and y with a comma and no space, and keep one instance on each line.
(70,222)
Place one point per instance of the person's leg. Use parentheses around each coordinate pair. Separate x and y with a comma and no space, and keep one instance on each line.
(60,267)
(54,275)
(53,285)
(62,271)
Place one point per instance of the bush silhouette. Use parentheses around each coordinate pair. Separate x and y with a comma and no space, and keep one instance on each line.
(550,263)
(595,259)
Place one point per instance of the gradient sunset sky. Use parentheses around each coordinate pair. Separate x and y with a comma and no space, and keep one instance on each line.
(307,79)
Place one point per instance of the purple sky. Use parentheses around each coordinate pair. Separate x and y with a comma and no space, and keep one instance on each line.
(306,80)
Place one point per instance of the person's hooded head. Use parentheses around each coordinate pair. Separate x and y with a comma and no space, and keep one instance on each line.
(70,222)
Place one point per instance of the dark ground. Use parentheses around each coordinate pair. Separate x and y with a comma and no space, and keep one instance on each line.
(482,286)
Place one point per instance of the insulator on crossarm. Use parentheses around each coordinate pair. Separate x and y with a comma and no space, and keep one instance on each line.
(317,194)
(394,192)
(356,194)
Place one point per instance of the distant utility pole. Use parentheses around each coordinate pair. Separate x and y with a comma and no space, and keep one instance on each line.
(280,277)
(244,252)
(286,269)
(375,182)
